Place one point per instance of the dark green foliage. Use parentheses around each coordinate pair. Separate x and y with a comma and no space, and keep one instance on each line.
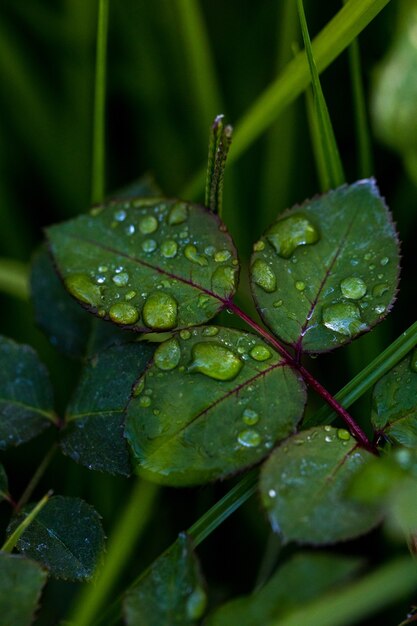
(21,582)
(66,537)
(3,484)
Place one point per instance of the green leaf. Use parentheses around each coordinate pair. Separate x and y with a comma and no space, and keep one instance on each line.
(394,407)
(212,402)
(93,435)
(66,537)
(26,404)
(301,579)
(136,263)
(303,483)
(327,271)
(170,592)
(21,583)
(4,485)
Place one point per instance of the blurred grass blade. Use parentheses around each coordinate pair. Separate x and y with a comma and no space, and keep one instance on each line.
(316,142)
(98,164)
(14,278)
(329,154)
(364,150)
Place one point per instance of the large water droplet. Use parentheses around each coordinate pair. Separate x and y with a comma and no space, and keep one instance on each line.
(148,225)
(260,353)
(121,280)
(250,417)
(178,214)
(249,438)
(160,311)
(168,354)
(223,280)
(123,313)
(263,276)
(190,253)
(289,233)
(343,317)
(215,361)
(353,288)
(80,286)
(169,248)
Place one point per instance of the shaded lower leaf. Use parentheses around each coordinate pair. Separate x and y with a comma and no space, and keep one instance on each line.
(93,435)
(213,401)
(301,579)
(21,583)
(394,409)
(26,403)
(170,592)
(303,486)
(66,537)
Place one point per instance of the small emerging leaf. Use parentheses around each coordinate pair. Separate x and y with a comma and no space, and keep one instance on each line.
(66,537)
(148,264)
(26,403)
(212,402)
(303,487)
(327,271)
(170,592)
(21,583)
(95,417)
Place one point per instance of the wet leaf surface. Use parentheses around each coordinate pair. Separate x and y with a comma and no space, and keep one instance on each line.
(21,583)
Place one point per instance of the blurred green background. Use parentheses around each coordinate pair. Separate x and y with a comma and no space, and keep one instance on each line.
(161,100)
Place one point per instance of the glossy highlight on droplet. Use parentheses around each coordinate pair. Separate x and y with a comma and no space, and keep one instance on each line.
(344,318)
(249,438)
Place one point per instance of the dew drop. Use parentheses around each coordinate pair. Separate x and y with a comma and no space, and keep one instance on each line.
(368,256)
(379,290)
(215,361)
(121,280)
(263,276)
(300,285)
(100,280)
(202,300)
(353,288)
(167,355)
(138,388)
(249,438)
(130,230)
(384,260)
(190,253)
(148,224)
(80,286)
(272,493)
(210,331)
(289,233)
(130,295)
(260,353)
(222,255)
(149,245)
(250,417)
(277,304)
(160,311)
(380,308)
(120,215)
(343,318)
(258,246)
(169,248)
(343,434)
(145,401)
(123,313)
(328,428)
(178,214)
(223,280)
(103,268)
(328,439)
(185,334)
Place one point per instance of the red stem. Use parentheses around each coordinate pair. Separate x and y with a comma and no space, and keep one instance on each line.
(354,428)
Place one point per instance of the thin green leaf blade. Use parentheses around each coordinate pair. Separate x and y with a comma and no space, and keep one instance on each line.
(21,583)
(213,401)
(66,537)
(93,435)
(26,403)
(303,483)
(301,579)
(170,592)
(327,271)
(136,263)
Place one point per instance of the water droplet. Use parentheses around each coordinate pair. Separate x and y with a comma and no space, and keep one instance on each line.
(260,353)
(160,311)
(100,280)
(80,286)
(169,248)
(123,313)
(413,362)
(190,253)
(384,260)
(103,268)
(289,233)
(368,256)
(167,355)
(145,401)
(343,318)
(258,246)
(328,428)
(343,434)
(121,279)
(215,361)
(178,214)
(277,304)
(328,439)
(272,493)
(353,288)
(222,255)
(210,331)
(120,215)
(249,438)
(202,300)
(210,250)
(130,230)
(300,285)
(130,295)
(223,280)
(138,388)
(379,290)
(148,224)
(149,245)
(250,417)
(263,276)
(380,308)
(196,603)
(185,334)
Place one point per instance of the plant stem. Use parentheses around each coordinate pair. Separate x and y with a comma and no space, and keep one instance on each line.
(10,543)
(355,429)
(98,158)
(36,477)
